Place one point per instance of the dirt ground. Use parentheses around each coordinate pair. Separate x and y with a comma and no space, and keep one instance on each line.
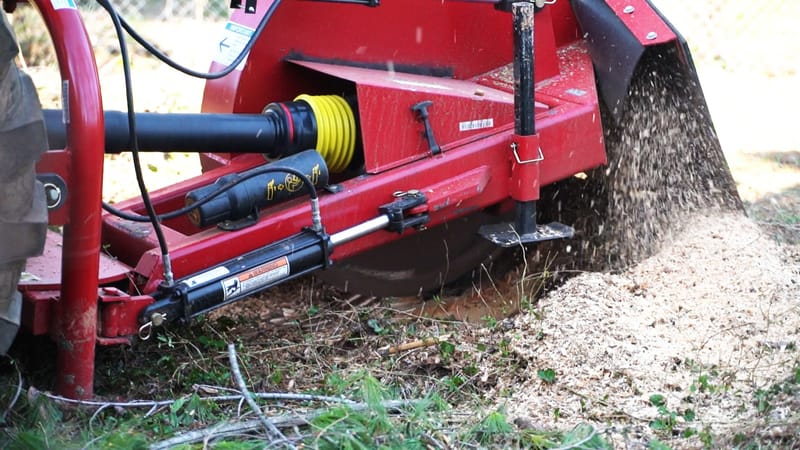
(710,322)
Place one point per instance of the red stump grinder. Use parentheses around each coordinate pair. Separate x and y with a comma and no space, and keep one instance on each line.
(389,146)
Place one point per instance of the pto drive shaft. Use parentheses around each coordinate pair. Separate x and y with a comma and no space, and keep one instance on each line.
(322,122)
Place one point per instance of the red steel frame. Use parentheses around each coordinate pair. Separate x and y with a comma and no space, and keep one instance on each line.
(80,308)
(74,321)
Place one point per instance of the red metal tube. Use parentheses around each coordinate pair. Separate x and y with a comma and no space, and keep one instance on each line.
(74,325)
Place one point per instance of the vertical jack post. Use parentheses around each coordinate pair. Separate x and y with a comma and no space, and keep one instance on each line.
(527,154)
(526,179)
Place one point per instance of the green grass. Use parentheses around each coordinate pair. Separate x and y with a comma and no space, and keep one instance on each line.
(779,214)
(428,404)
(432,397)
(388,421)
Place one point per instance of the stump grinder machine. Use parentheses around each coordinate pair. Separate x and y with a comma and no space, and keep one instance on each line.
(390,147)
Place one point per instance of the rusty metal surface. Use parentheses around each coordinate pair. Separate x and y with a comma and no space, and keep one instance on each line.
(44,272)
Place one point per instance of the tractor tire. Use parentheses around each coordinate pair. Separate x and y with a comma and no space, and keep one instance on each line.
(23,211)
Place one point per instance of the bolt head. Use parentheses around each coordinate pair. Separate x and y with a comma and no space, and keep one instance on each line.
(52,194)
(651,35)
(629,9)
(158,319)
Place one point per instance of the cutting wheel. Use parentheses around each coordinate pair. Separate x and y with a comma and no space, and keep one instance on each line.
(419,264)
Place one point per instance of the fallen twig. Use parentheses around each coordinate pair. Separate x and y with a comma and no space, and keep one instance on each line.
(223,430)
(791,226)
(154,404)
(16,395)
(427,342)
(248,426)
(237,375)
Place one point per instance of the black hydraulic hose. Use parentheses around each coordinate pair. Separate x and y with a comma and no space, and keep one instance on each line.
(134,145)
(312,192)
(213,133)
(118,25)
(193,73)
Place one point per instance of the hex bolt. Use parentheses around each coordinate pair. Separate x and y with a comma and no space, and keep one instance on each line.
(158,319)
(52,194)
(651,35)
(629,9)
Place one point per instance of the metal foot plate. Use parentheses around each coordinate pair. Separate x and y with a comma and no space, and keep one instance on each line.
(504,234)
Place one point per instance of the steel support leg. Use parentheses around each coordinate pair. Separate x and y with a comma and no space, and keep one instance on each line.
(522,14)
(524,187)
(75,319)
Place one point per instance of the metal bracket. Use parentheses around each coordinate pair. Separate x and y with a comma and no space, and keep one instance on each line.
(396,211)
(239,224)
(505,5)
(539,157)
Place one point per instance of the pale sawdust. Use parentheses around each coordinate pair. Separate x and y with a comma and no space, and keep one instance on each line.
(720,301)
(664,161)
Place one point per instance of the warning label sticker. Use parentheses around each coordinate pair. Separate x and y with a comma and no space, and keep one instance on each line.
(233,41)
(207,276)
(63,4)
(255,278)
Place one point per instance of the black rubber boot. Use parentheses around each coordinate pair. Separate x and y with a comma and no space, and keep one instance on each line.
(23,212)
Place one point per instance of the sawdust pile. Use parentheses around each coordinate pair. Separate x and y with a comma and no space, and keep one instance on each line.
(710,317)
(718,303)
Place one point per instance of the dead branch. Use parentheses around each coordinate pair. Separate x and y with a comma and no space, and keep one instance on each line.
(154,404)
(272,430)
(221,430)
(579,444)
(16,395)
(427,342)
